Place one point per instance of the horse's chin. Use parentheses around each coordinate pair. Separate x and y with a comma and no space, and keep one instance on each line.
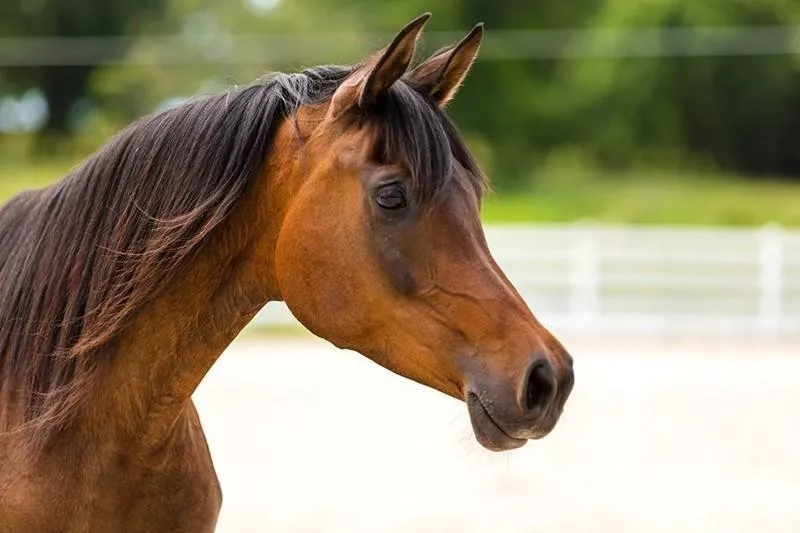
(490,435)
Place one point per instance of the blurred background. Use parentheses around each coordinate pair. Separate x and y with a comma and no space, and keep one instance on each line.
(645,162)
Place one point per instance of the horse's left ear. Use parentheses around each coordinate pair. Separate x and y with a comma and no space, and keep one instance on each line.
(380,71)
(442,75)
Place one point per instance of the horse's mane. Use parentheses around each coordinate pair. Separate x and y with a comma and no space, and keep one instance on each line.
(80,258)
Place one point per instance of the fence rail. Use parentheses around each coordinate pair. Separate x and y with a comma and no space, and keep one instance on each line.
(627,280)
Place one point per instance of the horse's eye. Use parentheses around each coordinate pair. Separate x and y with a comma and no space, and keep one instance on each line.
(391,197)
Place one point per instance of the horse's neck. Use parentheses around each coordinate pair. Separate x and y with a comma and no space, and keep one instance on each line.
(173,342)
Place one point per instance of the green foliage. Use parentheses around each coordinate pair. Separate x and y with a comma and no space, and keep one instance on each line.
(730,114)
(66,86)
(738,111)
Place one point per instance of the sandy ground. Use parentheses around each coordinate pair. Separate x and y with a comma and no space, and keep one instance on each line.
(682,438)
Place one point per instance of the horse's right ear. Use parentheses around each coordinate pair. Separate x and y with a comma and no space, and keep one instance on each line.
(441,76)
(380,71)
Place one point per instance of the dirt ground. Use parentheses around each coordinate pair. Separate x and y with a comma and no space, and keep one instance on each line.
(655,438)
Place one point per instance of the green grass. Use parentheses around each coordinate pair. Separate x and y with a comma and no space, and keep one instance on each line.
(650,198)
(16,178)
(563,196)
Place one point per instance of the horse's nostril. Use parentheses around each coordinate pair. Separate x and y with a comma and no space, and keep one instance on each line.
(540,385)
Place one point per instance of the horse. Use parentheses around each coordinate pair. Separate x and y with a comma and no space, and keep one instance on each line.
(346,192)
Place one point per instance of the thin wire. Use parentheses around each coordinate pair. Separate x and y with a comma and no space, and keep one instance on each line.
(224,48)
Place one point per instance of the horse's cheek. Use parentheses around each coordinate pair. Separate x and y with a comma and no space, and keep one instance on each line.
(323,288)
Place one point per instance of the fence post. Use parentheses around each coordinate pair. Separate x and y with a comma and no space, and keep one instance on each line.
(584,276)
(770,305)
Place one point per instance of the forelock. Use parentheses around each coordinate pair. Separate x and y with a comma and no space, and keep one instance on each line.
(415,133)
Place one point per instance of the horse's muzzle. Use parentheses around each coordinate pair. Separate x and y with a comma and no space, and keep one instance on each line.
(506,415)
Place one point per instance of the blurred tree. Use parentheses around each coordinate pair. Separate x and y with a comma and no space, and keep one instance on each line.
(518,111)
(741,112)
(505,100)
(66,86)
(500,108)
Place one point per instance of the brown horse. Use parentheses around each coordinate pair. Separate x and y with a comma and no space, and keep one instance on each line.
(345,192)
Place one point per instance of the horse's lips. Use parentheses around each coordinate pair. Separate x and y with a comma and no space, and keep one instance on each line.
(488,433)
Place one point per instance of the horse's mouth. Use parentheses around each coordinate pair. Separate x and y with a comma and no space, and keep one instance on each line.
(489,434)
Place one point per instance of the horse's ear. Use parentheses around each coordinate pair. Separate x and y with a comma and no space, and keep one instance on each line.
(380,71)
(442,74)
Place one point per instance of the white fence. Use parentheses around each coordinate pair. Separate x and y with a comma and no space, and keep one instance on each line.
(624,280)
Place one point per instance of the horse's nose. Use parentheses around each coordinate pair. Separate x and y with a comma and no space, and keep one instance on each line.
(539,389)
(505,412)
